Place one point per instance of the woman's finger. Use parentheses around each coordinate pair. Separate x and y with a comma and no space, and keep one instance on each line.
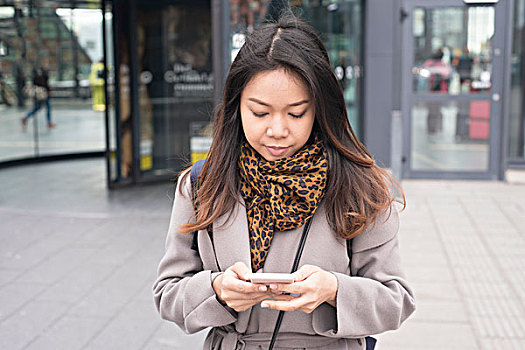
(284,305)
(241,270)
(304,272)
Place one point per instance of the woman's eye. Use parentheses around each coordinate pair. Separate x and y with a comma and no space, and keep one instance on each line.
(297,115)
(259,114)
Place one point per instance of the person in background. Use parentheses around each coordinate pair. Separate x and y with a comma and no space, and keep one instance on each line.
(41,96)
(96,80)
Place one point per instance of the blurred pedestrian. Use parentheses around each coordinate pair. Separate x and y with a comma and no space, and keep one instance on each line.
(438,83)
(40,93)
(284,157)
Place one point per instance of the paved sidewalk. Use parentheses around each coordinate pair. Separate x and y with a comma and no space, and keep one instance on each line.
(77,263)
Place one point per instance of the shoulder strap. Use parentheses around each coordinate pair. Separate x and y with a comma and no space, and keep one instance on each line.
(194,176)
(194,173)
(306,229)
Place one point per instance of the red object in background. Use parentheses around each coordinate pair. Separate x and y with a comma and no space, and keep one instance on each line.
(479,120)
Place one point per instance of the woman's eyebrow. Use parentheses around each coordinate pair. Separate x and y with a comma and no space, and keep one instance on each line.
(253,99)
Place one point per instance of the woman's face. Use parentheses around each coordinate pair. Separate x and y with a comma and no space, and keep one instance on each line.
(277,114)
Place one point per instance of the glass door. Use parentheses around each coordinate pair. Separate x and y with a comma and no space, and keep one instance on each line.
(452,80)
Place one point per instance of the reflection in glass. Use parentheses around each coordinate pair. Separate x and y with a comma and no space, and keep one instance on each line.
(340,25)
(517,88)
(450,136)
(245,16)
(64,42)
(175,83)
(452,50)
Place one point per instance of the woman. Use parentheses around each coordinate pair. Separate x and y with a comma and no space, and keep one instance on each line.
(283,152)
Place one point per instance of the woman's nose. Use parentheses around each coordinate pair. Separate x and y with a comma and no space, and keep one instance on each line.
(278,127)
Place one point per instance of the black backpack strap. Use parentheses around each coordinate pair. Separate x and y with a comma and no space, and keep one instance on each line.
(194,176)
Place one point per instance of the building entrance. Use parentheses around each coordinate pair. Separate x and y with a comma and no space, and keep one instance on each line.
(452,84)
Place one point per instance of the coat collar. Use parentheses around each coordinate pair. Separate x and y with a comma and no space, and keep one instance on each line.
(231,238)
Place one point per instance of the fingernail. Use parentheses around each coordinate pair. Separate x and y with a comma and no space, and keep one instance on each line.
(264,304)
(262,289)
(278,292)
(273,286)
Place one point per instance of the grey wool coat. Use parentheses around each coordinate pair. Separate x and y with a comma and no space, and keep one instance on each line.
(372,297)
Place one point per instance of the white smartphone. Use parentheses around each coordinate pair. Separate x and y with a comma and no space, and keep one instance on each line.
(267,278)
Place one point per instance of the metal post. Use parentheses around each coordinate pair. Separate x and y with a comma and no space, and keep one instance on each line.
(396,144)
(106,99)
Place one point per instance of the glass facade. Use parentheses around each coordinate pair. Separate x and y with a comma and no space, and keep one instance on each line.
(452,50)
(438,134)
(55,48)
(158,93)
(452,86)
(338,22)
(165,84)
(516,132)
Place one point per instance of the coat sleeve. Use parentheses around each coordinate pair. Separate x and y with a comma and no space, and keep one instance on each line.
(376,297)
(183,291)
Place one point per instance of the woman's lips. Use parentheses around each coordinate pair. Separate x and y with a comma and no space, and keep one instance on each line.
(276,151)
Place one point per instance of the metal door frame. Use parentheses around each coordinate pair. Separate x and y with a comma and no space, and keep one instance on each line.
(409,97)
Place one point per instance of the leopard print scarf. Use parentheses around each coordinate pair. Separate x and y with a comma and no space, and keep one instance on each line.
(280,195)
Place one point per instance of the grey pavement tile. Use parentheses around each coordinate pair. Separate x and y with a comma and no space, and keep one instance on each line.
(53,269)
(7,276)
(16,294)
(20,234)
(499,327)
(111,295)
(170,337)
(33,254)
(76,284)
(471,289)
(499,343)
(430,336)
(429,273)
(424,258)
(444,311)
(129,330)
(435,291)
(145,293)
(495,307)
(28,322)
(70,332)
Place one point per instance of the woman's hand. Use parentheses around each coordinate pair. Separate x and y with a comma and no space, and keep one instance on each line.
(314,286)
(232,289)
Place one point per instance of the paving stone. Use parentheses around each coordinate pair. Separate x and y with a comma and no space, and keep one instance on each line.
(170,337)
(432,291)
(28,322)
(71,333)
(58,265)
(132,327)
(16,294)
(430,335)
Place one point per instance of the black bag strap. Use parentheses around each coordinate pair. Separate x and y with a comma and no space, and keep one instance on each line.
(294,268)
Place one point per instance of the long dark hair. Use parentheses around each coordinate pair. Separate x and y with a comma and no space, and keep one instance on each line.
(357,189)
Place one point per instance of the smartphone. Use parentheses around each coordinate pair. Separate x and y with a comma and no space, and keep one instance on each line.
(267,278)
